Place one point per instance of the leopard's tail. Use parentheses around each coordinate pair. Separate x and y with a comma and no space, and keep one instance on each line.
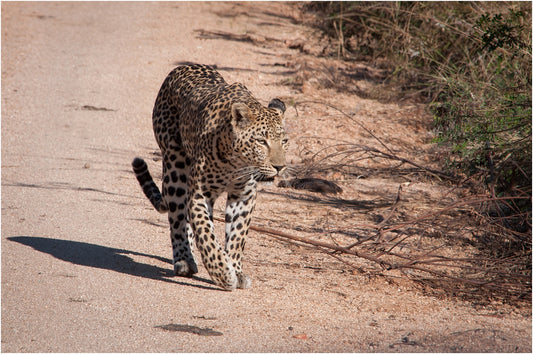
(148,185)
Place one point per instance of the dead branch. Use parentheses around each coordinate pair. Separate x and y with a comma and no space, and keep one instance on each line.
(413,265)
(389,154)
(387,218)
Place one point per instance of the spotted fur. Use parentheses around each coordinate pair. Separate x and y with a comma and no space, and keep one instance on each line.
(214,138)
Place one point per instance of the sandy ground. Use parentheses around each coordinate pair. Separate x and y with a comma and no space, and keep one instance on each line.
(85,263)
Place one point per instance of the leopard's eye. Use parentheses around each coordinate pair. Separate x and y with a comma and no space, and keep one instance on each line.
(285,141)
(262,141)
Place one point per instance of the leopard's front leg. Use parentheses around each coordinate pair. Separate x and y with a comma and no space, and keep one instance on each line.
(216,260)
(239,208)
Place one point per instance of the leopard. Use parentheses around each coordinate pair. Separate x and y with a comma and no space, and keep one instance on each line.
(214,138)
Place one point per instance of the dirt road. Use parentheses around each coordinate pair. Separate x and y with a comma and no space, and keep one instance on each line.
(84,256)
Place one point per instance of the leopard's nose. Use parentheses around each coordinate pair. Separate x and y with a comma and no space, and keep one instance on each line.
(279,168)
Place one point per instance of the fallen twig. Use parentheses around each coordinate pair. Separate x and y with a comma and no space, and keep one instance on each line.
(387,218)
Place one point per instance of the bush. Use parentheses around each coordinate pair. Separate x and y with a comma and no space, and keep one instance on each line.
(471,61)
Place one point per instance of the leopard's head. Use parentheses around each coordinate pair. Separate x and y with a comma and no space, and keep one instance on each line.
(260,142)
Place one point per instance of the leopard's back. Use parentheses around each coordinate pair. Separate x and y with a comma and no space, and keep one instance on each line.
(183,101)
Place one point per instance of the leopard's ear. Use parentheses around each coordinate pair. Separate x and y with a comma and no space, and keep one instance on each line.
(278,104)
(241,116)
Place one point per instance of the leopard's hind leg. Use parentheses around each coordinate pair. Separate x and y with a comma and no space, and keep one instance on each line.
(175,172)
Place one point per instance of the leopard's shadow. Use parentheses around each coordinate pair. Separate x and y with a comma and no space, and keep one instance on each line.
(96,256)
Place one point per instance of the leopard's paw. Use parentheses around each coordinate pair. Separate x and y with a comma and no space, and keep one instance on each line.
(243,281)
(184,269)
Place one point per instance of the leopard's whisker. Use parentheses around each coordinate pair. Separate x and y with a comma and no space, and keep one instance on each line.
(245,172)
